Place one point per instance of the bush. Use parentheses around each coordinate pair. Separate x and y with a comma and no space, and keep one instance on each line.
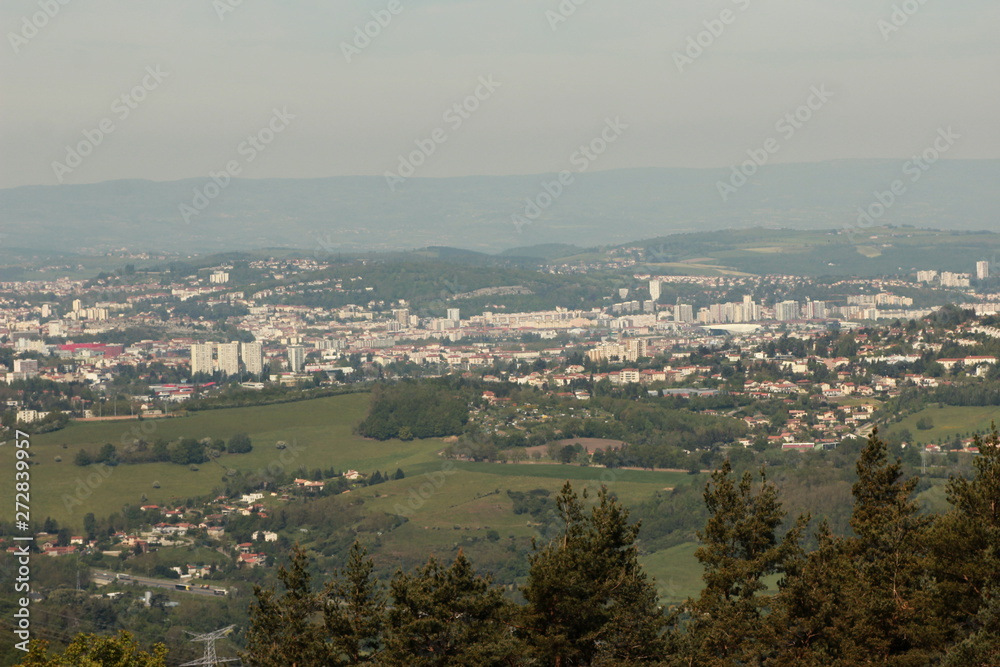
(239,444)
(188,451)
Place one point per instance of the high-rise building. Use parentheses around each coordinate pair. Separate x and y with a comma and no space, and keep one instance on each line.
(201,358)
(402,316)
(654,290)
(750,311)
(229,358)
(27,366)
(814,310)
(786,310)
(454,314)
(77,305)
(296,358)
(635,348)
(982,270)
(683,312)
(253,357)
(954,279)
(926,276)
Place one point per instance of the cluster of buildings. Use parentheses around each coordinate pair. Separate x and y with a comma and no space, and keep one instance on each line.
(227,358)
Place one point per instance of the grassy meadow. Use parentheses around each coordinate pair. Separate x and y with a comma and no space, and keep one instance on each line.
(447,503)
(948,421)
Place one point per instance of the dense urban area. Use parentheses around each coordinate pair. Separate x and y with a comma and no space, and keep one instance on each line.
(598,369)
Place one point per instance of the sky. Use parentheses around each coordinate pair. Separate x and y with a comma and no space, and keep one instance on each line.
(100,90)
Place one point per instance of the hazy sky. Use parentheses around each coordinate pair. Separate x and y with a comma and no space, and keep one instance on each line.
(223,73)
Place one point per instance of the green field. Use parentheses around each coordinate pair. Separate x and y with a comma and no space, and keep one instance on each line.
(448,506)
(948,421)
(447,503)
(319,433)
(678,573)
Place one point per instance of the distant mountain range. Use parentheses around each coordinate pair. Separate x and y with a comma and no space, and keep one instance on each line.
(349,214)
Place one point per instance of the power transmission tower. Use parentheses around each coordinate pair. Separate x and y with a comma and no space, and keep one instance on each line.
(211,658)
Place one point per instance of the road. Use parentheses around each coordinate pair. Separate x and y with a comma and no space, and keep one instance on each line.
(100,577)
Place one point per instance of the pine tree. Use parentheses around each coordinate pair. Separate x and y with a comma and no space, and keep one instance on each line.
(448,616)
(966,547)
(588,600)
(807,623)
(740,548)
(982,647)
(283,631)
(354,610)
(889,615)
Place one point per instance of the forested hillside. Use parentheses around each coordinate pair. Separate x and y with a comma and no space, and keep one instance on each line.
(903,588)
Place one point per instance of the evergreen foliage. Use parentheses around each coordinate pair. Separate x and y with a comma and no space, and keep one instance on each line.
(901,589)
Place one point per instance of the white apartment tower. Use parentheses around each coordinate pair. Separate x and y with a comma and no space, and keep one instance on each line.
(654,290)
(201,358)
(253,357)
(982,270)
(229,358)
(786,310)
(684,312)
(296,358)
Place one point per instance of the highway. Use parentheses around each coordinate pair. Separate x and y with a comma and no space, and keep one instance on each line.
(101,577)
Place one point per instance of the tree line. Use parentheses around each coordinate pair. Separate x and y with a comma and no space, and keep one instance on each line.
(902,589)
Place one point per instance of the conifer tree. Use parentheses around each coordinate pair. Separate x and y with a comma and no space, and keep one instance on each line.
(966,548)
(740,547)
(588,600)
(982,647)
(890,595)
(868,598)
(283,630)
(354,610)
(448,616)
(807,623)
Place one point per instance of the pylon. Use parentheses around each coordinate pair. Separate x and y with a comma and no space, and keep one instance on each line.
(211,658)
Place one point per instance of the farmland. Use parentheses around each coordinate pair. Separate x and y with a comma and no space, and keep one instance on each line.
(447,504)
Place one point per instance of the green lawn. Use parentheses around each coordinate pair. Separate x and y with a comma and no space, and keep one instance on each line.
(948,422)
(677,572)
(319,433)
(575,472)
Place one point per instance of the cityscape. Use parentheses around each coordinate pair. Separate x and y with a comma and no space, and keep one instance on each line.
(499,334)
